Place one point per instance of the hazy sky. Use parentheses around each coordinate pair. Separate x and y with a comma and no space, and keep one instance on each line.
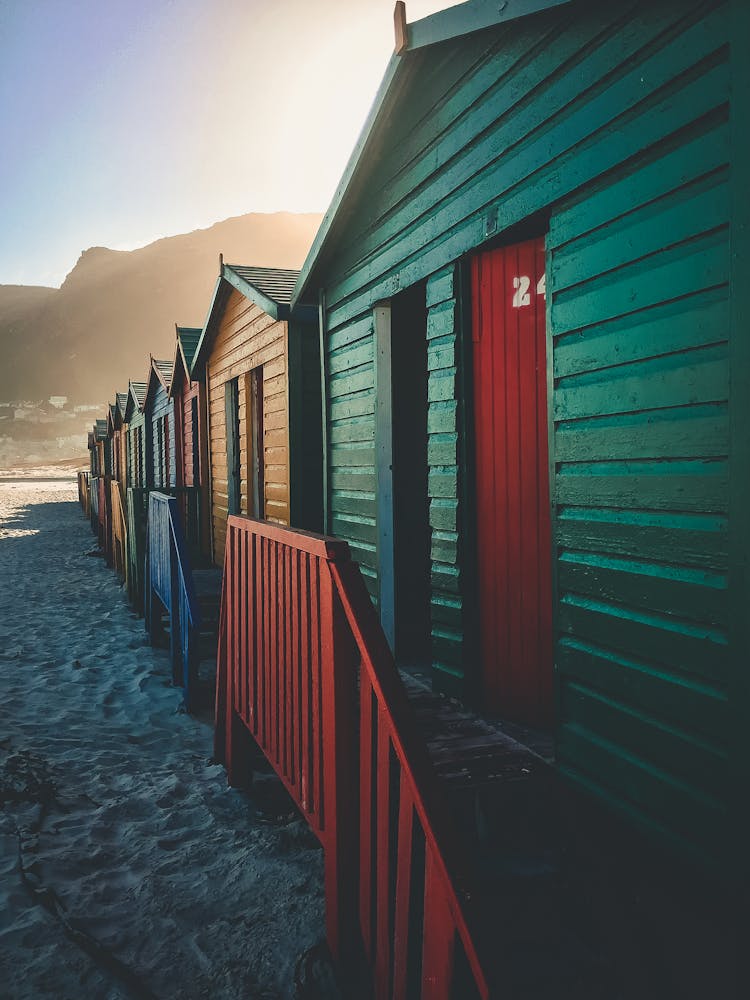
(125,120)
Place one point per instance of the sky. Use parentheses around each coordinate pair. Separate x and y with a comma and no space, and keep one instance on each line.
(122,121)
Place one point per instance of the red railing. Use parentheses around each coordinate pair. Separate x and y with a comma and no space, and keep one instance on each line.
(302,657)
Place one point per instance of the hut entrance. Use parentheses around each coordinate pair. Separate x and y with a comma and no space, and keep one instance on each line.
(512,481)
(232,413)
(403,504)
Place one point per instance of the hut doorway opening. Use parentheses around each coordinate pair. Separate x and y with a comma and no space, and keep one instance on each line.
(232,413)
(513,519)
(403,502)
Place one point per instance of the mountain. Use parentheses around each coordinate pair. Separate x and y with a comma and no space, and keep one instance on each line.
(87,338)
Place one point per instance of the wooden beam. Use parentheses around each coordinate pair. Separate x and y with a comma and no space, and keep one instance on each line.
(400,29)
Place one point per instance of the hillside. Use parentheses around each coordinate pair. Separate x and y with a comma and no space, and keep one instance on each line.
(85,339)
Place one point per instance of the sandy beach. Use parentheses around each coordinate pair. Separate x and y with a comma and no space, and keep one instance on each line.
(127,867)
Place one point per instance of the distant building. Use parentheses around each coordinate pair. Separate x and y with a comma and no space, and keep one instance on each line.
(58,401)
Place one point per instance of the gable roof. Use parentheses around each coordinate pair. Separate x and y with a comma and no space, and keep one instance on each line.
(136,398)
(121,399)
(188,338)
(186,345)
(158,372)
(164,371)
(100,430)
(462,19)
(114,417)
(270,288)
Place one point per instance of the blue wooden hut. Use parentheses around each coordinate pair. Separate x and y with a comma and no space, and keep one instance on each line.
(158,410)
(534,310)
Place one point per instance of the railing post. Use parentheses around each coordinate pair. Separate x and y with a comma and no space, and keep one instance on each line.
(340,767)
(175,645)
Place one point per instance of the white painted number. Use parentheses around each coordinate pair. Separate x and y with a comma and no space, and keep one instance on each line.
(522,284)
(521,297)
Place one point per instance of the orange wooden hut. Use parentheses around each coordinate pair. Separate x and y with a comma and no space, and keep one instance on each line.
(259,361)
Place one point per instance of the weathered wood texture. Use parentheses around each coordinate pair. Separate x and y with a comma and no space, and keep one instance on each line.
(246,339)
(612,120)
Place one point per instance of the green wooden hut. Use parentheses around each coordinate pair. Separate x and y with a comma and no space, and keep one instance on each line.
(533,293)
(135,422)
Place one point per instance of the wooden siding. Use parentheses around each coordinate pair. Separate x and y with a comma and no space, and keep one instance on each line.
(159,407)
(247,338)
(638,269)
(444,487)
(618,132)
(137,467)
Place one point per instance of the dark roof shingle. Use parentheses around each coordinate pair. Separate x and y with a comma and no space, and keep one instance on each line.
(275,283)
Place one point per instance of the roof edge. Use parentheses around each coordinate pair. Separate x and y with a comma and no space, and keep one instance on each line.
(276,310)
(473,15)
(350,171)
(463,19)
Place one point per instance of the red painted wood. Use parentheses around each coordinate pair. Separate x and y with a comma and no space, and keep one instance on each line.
(401,937)
(366,818)
(512,481)
(305,655)
(383,859)
(338,631)
(439,935)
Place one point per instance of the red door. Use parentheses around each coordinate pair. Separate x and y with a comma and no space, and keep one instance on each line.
(512,481)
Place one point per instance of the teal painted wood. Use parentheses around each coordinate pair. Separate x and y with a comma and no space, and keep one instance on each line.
(444,436)
(612,122)
(739,466)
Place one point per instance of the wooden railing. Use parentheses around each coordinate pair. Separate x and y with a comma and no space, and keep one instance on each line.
(136,514)
(302,657)
(94,493)
(119,530)
(169,579)
(136,511)
(189,498)
(83,492)
(104,514)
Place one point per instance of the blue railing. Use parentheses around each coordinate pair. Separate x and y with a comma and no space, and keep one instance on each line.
(169,579)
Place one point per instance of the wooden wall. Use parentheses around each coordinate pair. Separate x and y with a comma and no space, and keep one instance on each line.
(137,470)
(611,123)
(159,407)
(247,337)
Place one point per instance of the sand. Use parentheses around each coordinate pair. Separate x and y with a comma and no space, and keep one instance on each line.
(127,867)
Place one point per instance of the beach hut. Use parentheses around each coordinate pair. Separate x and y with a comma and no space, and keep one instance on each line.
(532,286)
(100,461)
(135,435)
(191,440)
(136,480)
(258,359)
(158,411)
(117,430)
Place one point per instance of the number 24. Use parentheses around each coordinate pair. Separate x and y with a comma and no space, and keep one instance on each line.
(521,296)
